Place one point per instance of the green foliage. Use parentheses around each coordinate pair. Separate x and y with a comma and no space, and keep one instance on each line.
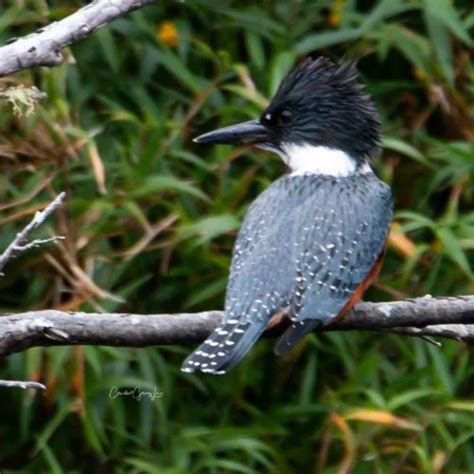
(151,219)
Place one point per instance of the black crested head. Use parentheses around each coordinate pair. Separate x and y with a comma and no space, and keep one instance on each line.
(321,104)
(318,104)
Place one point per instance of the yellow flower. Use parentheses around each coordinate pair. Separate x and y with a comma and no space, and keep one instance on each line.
(334,19)
(419,74)
(168,33)
(437,246)
(335,15)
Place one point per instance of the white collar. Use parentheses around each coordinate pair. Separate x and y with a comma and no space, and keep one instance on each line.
(311,159)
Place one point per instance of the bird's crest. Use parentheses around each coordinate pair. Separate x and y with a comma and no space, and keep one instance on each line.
(318,74)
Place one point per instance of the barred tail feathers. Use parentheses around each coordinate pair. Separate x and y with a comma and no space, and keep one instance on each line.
(225,347)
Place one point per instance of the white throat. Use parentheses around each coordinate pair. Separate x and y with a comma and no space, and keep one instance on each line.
(312,159)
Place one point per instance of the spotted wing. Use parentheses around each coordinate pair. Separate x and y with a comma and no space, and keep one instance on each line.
(338,249)
(259,280)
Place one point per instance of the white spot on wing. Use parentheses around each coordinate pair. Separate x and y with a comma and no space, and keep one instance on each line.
(365,168)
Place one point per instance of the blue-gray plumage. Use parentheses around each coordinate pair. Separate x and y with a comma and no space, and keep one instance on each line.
(311,239)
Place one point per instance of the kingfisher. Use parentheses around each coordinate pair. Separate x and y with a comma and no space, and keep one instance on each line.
(314,240)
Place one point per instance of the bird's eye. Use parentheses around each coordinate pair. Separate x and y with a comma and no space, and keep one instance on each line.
(277,118)
(285,116)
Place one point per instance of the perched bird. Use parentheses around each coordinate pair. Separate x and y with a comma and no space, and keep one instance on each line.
(314,240)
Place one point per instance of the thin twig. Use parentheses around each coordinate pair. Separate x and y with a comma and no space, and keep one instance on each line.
(19,243)
(20,384)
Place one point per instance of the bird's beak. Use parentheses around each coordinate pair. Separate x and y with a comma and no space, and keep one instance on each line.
(245,133)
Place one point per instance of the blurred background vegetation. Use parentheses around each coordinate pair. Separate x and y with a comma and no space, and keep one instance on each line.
(151,218)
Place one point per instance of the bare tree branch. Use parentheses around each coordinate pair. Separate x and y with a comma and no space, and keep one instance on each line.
(20,245)
(447,317)
(43,48)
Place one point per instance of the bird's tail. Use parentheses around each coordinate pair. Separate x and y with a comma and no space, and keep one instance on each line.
(225,347)
(294,333)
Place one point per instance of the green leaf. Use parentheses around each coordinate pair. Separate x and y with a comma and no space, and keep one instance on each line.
(10,16)
(252,95)
(325,39)
(441,44)
(410,396)
(54,467)
(259,24)
(453,249)
(398,145)
(211,227)
(255,49)
(280,67)
(445,12)
(210,290)
(415,47)
(91,434)
(384,9)
(108,45)
(415,219)
(227,465)
(157,184)
(441,370)
(309,381)
(177,68)
(52,425)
